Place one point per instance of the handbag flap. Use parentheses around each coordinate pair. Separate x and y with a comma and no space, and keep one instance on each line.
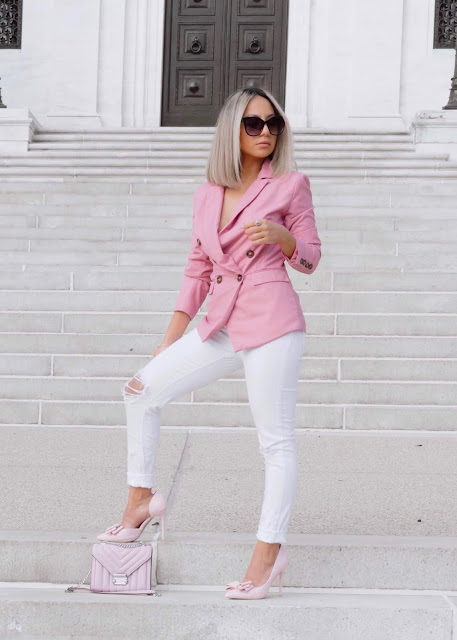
(121,559)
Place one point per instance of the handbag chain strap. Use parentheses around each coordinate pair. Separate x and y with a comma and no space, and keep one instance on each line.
(125,544)
(70,589)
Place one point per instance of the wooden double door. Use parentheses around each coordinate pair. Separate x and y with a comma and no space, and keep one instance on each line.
(213,47)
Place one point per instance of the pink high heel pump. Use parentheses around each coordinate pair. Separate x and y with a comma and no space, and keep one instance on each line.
(247,591)
(118,533)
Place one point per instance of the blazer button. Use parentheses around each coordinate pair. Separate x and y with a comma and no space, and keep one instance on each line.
(250,253)
(311,265)
(219,278)
(240,277)
(198,241)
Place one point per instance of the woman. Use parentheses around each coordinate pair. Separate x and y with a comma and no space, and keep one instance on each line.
(253,214)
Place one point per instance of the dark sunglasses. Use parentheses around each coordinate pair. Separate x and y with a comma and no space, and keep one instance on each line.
(253,125)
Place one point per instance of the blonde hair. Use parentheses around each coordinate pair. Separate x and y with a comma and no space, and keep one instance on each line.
(224,161)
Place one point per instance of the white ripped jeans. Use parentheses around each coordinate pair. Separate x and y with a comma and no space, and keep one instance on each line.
(271,372)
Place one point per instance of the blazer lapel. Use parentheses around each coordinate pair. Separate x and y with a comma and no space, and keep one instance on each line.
(213,208)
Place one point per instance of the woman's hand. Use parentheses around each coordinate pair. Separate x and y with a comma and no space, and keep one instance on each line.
(160,348)
(269,232)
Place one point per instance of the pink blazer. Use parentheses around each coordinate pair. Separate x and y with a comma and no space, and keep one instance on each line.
(248,285)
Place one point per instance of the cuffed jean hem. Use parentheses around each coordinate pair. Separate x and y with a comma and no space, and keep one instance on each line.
(271,536)
(137,480)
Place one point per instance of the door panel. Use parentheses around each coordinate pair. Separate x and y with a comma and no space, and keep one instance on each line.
(213,47)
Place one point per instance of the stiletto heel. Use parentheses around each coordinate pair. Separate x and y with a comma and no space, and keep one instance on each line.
(246,590)
(118,533)
(162,520)
(280,583)
(162,515)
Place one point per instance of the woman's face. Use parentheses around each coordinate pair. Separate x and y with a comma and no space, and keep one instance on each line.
(258,106)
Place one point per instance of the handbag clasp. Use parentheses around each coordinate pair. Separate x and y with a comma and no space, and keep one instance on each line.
(120,578)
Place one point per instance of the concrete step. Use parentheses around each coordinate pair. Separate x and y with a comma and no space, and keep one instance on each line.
(196,144)
(180,238)
(394,205)
(198,559)
(372,389)
(56,218)
(181,613)
(437,325)
(181,203)
(156,301)
(199,153)
(314,369)
(170,134)
(140,278)
(341,264)
(195,164)
(325,416)
(343,187)
(324,177)
(441,170)
(397,222)
(75,248)
(350,482)
(336,243)
(201,147)
(317,345)
(142,252)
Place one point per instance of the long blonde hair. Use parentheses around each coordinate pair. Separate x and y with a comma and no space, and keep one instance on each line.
(224,161)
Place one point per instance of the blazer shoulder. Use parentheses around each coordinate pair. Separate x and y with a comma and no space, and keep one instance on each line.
(301,176)
(298,183)
(290,181)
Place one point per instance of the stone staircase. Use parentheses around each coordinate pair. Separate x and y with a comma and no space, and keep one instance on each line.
(179,154)
(93,244)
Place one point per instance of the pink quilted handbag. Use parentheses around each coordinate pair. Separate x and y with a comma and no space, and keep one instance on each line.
(120,568)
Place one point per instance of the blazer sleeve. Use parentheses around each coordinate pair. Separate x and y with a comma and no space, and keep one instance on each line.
(299,220)
(196,282)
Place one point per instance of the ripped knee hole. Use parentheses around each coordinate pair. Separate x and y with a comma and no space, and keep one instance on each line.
(134,387)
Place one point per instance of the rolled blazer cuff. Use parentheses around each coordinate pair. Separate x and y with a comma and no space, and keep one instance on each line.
(305,257)
(191,296)
(300,221)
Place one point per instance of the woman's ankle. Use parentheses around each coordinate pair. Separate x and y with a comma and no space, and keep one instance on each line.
(138,495)
(267,549)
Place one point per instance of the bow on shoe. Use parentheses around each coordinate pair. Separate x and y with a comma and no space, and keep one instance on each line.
(115,528)
(241,586)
